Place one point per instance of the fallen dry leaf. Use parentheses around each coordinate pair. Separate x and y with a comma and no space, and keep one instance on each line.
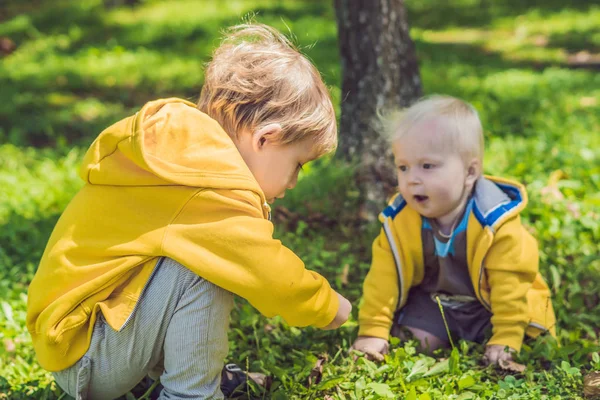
(7,46)
(511,366)
(591,384)
(540,40)
(551,192)
(587,101)
(363,213)
(573,209)
(344,275)
(259,379)
(583,59)
(316,373)
(9,346)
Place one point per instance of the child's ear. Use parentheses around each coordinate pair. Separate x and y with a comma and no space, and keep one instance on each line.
(473,172)
(267,134)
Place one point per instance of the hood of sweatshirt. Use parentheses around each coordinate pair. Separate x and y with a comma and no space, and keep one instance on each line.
(168,142)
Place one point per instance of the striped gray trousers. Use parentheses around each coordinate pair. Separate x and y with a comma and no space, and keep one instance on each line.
(178,332)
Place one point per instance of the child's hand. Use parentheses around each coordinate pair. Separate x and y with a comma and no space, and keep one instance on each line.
(342,315)
(496,354)
(373,347)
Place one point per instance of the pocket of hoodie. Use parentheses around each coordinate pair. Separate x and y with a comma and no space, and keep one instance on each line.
(74,319)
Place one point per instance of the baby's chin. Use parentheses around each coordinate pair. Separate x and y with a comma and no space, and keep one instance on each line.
(423,211)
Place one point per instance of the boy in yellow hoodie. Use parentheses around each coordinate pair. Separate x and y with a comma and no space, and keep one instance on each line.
(139,273)
(451,236)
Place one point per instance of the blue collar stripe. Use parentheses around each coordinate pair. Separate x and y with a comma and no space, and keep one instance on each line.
(514,194)
(393,209)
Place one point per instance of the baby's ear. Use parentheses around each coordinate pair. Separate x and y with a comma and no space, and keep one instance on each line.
(267,134)
(473,171)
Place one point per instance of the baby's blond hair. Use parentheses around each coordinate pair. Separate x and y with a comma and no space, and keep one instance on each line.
(462,128)
(258,77)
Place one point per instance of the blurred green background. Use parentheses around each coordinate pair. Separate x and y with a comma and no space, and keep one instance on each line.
(70,68)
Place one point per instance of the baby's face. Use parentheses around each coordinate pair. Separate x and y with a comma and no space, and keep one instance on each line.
(432,178)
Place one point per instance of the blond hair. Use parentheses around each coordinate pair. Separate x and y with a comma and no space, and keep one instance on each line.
(462,131)
(258,77)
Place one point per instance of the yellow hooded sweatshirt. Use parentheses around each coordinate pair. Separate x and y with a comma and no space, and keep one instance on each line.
(170,182)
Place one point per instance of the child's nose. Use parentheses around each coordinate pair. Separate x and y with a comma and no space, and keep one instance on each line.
(414,178)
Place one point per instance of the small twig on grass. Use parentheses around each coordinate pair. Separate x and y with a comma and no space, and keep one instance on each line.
(437,298)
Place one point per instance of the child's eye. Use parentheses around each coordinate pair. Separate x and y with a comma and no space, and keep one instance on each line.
(403,168)
(428,166)
(300,167)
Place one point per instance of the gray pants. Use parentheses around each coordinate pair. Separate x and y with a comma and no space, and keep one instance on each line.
(471,321)
(178,332)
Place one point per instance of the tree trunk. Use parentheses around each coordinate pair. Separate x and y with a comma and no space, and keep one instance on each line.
(380,72)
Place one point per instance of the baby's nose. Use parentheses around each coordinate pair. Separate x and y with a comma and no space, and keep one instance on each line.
(414,178)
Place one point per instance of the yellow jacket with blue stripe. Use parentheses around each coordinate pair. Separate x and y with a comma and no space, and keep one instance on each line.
(502,259)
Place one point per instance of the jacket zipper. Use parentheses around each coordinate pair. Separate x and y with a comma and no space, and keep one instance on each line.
(388,235)
(485,304)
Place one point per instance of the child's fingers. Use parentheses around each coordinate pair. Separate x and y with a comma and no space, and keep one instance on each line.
(355,353)
(490,357)
(370,354)
(496,354)
(504,356)
(487,359)
(375,355)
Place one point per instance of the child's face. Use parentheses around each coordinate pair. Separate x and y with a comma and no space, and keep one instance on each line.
(275,166)
(433,179)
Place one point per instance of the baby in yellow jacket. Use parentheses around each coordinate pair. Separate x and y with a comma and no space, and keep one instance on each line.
(139,274)
(451,237)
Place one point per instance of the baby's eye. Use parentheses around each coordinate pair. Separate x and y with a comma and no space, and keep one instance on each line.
(402,168)
(428,166)
(300,167)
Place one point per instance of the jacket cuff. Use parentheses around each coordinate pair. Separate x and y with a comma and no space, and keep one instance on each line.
(375,331)
(330,313)
(509,335)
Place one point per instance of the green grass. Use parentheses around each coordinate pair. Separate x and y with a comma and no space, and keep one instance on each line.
(79,67)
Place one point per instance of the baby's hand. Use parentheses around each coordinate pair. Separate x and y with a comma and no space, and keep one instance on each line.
(373,347)
(342,315)
(496,354)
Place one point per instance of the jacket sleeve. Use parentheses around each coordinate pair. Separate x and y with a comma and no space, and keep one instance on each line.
(380,292)
(511,266)
(224,238)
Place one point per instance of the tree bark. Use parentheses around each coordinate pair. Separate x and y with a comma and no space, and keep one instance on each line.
(380,72)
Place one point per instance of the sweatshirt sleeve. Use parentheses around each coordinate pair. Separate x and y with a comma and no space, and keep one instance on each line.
(511,266)
(380,292)
(223,236)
